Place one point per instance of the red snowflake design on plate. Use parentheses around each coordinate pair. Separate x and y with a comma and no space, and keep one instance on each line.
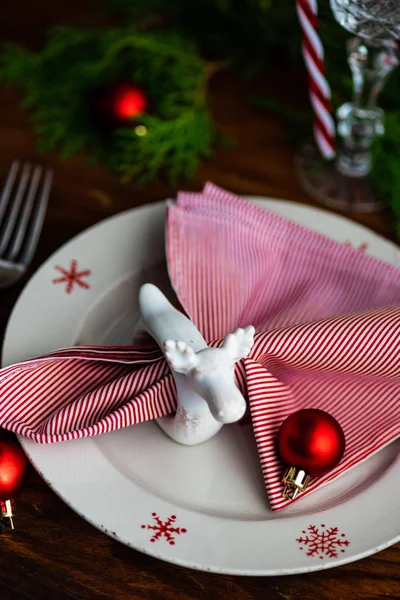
(72,277)
(164,529)
(323,541)
(362,247)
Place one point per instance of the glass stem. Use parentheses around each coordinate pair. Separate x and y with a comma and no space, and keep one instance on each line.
(360,121)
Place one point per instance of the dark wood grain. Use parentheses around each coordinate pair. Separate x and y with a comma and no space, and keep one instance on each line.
(54,554)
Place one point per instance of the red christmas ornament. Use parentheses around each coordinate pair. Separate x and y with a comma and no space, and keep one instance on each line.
(12,469)
(119,103)
(311,442)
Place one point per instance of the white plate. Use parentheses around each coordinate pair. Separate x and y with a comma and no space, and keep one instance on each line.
(203,507)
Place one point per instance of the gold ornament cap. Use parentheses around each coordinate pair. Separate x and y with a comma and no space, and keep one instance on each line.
(7,512)
(295,481)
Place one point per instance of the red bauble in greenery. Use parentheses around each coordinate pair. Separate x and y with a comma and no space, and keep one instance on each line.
(12,469)
(118,104)
(311,440)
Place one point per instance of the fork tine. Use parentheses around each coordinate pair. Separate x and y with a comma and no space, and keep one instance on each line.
(8,186)
(15,208)
(32,236)
(23,221)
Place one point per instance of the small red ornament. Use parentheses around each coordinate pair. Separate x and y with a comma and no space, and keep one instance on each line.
(311,442)
(12,469)
(119,103)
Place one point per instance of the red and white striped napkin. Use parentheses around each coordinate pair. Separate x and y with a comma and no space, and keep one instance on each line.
(328,331)
(327,319)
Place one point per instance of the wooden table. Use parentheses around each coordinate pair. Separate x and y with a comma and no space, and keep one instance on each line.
(53,554)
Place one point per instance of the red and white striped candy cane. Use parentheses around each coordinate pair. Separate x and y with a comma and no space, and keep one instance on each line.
(320,93)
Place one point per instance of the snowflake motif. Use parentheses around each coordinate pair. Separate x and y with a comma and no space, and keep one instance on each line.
(362,247)
(324,542)
(164,529)
(72,277)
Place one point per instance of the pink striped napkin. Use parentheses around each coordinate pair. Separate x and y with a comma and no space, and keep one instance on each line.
(327,320)
(328,330)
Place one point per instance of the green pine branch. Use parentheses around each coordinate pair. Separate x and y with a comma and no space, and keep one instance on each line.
(171,146)
(386,168)
(61,82)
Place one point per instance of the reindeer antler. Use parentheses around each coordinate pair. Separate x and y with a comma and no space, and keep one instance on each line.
(239,343)
(180,356)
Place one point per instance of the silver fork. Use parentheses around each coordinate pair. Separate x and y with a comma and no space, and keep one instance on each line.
(23,205)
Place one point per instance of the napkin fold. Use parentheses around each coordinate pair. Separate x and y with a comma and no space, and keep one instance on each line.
(84,391)
(328,336)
